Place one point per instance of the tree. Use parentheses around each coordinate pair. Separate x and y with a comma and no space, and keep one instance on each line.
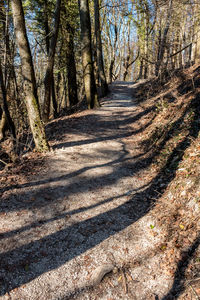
(163,39)
(87,62)
(30,90)
(47,39)
(69,12)
(50,64)
(99,51)
(6,114)
(6,120)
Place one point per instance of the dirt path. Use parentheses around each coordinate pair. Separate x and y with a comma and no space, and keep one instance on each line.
(88,209)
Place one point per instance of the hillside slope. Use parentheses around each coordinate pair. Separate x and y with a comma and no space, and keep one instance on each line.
(174,139)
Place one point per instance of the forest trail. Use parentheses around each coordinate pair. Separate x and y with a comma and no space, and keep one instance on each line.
(89,208)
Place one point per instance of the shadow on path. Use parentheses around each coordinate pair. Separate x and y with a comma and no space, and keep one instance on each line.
(79,237)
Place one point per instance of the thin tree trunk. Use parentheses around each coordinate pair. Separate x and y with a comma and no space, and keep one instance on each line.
(113,49)
(30,90)
(6,118)
(47,39)
(164,39)
(46,26)
(54,102)
(111,67)
(140,76)
(127,59)
(129,65)
(3,125)
(88,68)
(49,71)
(99,51)
(71,66)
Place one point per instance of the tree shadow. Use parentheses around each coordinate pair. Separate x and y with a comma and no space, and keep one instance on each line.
(100,126)
(123,166)
(74,240)
(100,129)
(77,238)
(70,242)
(179,278)
(43,221)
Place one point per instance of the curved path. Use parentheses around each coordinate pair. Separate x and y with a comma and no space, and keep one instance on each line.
(90,207)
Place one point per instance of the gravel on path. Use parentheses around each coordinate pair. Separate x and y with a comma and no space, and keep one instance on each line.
(87,213)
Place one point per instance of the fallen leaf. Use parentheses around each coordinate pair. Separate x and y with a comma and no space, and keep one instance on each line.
(86,257)
(129,277)
(163,247)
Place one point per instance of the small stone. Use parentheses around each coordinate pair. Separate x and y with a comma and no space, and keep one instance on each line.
(183,193)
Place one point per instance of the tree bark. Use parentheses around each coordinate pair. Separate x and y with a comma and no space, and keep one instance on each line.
(71,66)
(162,43)
(140,76)
(30,90)
(128,64)
(71,69)
(113,49)
(6,118)
(47,40)
(50,64)
(88,68)
(99,51)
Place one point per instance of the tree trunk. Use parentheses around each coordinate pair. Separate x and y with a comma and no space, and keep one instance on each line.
(47,39)
(128,64)
(140,76)
(111,67)
(6,120)
(162,44)
(49,71)
(99,51)
(46,26)
(88,68)
(6,113)
(128,56)
(113,53)
(71,66)
(30,90)
(3,125)
(54,102)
